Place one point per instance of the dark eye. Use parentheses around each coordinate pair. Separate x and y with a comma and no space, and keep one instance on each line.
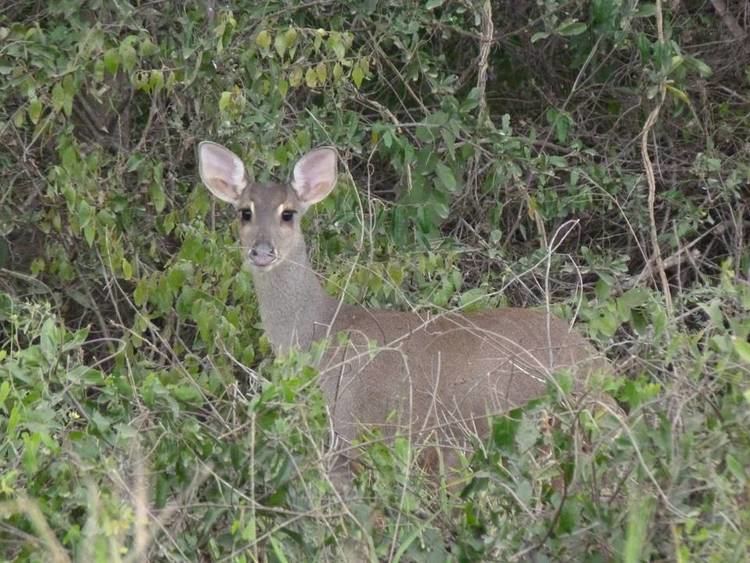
(287,215)
(246,215)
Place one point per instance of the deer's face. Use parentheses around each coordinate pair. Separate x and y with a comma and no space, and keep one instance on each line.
(270,213)
(269,217)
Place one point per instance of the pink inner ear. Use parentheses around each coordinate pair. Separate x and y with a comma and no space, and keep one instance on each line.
(319,189)
(221,184)
(315,175)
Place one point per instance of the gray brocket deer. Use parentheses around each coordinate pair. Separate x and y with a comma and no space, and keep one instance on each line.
(433,378)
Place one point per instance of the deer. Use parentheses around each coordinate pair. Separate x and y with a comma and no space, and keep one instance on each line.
(433,378)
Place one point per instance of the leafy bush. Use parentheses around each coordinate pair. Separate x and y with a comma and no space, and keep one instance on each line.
(493,156)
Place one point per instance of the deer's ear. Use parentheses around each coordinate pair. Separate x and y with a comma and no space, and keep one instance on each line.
(221,171)
(315,175)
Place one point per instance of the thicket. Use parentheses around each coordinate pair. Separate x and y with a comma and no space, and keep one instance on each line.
(590,154)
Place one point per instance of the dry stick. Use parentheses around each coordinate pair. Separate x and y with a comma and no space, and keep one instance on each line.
(485,44)
(483,118)
(141,536)
(649,168)
(728,19)
(29,507)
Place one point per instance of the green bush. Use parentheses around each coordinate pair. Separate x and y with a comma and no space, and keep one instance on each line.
(493,157)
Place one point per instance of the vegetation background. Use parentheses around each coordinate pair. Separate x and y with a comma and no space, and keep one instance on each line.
(590,154)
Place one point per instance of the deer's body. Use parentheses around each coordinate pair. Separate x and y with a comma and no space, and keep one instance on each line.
(431,377)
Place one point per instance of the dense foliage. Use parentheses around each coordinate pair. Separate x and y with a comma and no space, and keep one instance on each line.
(591,154)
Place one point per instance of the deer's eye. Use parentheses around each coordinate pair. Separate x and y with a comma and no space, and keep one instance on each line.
(287,215)
(246,215)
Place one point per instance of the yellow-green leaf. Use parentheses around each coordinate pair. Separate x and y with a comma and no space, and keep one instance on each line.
(225,101)
(128,56)
(263,39)
(357,75)
(283,87)
(156,80)
(19,118)
(58,97)
(280,44)
(295,77)
(679,94)
(111,61)
(311,78)
(338,71)
(336,45)
(571,27)
(127,269)
(742,347)
(35,110)
(157,196)
(291,37)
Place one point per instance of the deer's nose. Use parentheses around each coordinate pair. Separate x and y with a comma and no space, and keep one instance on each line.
(262,255)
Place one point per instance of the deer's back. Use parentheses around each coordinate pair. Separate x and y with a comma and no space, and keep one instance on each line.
(406,372)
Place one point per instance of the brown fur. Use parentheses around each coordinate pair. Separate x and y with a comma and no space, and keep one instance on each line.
(434,378)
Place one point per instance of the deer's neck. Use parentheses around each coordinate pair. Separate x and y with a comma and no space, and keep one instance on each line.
(294,307)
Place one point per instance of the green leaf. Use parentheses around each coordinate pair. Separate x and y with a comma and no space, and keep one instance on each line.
(742,347)
(278,550)
(311,78)
(571,28)
(445,174)
(48,340)
(225,101)
(283,86)
(679,94)
(295,77)
(703,69)
(639,520)
(85,213)
(4,392)
(291,38)
(35,110)
(645,10)
(432,4)
(473,299)
(128,55)
(633,298)
(155,81)
(504,429)
(141,292)
(127,269)
(89,231)
(101,422)
(321,70)
(187,393)
(336,45)
(733,464)
(14,419)
(357,75)
(263,40)
(280,44)
(58,97)
(156,193)
(111,61)
(539,35)
(338,72)
(146,47)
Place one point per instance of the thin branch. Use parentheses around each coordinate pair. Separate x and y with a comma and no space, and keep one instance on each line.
(649,168)
(485,45)
(734,28)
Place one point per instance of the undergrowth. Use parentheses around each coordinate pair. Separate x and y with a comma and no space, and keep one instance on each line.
(590,155)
